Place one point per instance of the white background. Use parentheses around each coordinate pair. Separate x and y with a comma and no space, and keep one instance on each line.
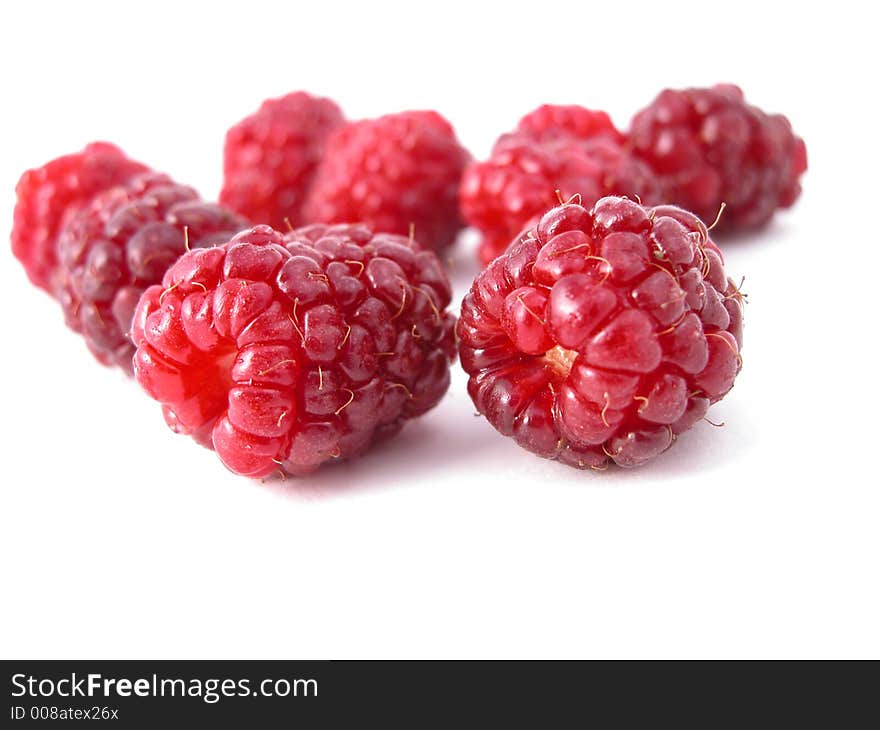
(119,539)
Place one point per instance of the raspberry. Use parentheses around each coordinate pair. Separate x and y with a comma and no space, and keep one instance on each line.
(395,173)
(122,242)
(552,121)
(569,149)
(602,334)
(270,157)
(709,147)
(46,196)
(290,351)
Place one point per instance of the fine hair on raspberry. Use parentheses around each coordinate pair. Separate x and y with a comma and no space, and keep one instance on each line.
(602,335)
(282,352)
(555,152)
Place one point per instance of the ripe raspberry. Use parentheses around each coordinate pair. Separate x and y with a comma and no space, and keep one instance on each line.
(122,242)
(292,351)
(393,173)
(46,196)
(270,157)
(603,334)
(568,149)
(552,121)
(710,147)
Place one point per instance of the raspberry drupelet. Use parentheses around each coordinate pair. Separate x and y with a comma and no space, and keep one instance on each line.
(395,173)
(555,152)
(602,335)
(287,351)
(708,147)
(47,196)
(123,241)
(270,157)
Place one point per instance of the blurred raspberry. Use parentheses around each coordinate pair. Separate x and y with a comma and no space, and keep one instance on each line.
(122,242)
(284,352)
(397,173)
(47,196)
(553,121)
(708,147)
(602,335)
(556,152)
(270,157)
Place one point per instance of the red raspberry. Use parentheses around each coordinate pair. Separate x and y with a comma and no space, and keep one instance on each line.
(552,121)
(394,173)
(270,157)
(568,149)
(121,243)
(48,195)
(602,334)
(710,147)
(292,351)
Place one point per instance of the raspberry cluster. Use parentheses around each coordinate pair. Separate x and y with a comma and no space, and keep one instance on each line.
(709,147)
(602,334)
(555,153)
(94,229)
(598,333)
(297,161)
(123,241)
(284,352)
(47,196)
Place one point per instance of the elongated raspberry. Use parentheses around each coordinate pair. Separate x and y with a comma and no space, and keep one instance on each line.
(270,157)
(47,196)
(290,351)
(395,173)
(555,152)
(602,335)
(708,147)
(123,241)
